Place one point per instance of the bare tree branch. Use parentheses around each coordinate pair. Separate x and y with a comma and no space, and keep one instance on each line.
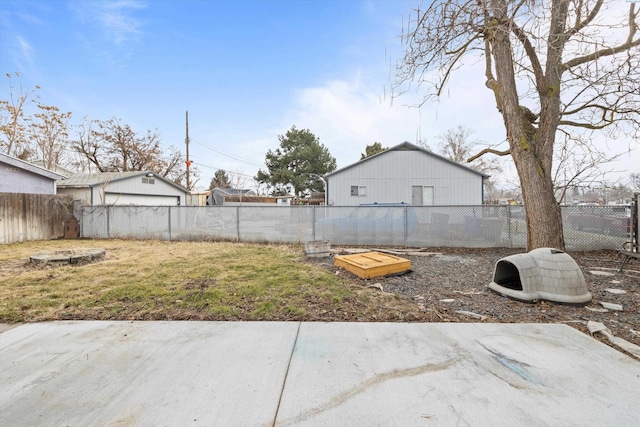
(489,151)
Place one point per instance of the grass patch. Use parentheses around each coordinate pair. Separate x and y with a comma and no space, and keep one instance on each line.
(147,280)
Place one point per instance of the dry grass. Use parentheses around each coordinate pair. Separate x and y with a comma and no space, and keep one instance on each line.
(183,280)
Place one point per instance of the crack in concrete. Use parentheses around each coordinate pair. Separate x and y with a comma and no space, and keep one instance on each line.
(286,374)
(354,391)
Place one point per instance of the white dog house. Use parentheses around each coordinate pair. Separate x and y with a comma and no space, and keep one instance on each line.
(543,273)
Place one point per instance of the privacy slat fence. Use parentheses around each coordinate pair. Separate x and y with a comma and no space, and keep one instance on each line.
(25,217)
(585,227)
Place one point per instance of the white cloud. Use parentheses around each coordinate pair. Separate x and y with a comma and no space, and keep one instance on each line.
(348,115)
(113,18)
(26,50)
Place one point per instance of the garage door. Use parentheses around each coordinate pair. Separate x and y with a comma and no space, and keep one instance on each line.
(140,200)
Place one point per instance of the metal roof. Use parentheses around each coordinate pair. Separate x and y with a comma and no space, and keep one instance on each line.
(30,167)
(93,179)
(407,146)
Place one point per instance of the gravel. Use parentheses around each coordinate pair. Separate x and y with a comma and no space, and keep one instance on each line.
(450,285)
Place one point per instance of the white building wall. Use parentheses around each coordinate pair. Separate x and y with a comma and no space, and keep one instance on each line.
(135,186)
(389,178)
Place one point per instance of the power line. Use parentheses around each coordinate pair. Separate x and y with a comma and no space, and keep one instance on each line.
(227,171)
(227,155)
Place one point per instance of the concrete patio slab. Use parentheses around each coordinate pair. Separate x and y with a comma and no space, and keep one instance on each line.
(143,373)
(312,374)
(457,374)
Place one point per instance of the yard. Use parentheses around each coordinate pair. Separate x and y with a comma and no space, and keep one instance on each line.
(147,280)
(153,280)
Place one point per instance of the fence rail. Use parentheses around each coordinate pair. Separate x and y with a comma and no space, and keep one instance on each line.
(585,227)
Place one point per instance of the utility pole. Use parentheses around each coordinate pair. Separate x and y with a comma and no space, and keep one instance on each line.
(188,162)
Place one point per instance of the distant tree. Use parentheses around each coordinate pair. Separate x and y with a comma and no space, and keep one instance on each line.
(578,163)
(14,134)
(49,131)
(298,164)
(456,145)
(372,149)
(112,146)
(549,65)
(220,180)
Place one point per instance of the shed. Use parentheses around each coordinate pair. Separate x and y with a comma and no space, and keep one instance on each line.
(142,188)
(405,173)
(18,176)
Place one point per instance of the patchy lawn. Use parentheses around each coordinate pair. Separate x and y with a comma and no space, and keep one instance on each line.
(161,280)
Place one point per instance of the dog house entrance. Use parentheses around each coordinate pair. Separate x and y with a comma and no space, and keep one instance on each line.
(507,276)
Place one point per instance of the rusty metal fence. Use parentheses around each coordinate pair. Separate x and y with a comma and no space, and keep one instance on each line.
(585,227)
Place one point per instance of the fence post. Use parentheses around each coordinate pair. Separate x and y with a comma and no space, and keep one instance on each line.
(406,227)
(108,224)
(313,223)
(238,223)
(509,225)
(169,215)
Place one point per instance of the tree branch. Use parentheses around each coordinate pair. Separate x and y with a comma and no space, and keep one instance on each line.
(584,125)
(628,44)
(581,24)
(489,151)
(531,54)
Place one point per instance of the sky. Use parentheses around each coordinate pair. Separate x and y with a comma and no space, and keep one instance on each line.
(246,71)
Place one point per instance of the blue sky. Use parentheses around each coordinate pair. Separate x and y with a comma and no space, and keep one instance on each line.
(245,70)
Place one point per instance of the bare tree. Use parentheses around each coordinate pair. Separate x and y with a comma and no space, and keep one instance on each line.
(14,139)
(456,145)
(112,146)
(550,65)
(577,163)
(49,132)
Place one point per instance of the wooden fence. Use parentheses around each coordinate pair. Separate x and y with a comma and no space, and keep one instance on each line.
(25,217)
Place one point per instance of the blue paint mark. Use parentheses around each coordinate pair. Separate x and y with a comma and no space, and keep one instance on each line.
(516,367)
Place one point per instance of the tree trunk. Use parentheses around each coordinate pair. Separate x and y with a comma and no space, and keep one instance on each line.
(531,147)
(544,219)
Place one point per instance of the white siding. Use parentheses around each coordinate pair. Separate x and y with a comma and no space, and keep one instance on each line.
(140,200)
(389,178)
(127,188)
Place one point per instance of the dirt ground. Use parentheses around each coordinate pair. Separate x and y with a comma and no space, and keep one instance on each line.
(451,286)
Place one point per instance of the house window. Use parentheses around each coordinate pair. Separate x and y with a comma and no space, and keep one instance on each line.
(358,190)
(148,180)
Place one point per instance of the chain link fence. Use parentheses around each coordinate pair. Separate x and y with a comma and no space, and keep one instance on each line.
(585,227)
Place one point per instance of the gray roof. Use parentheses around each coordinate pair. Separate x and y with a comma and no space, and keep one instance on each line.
(404,147)
(15,162)
(99,178)
(93,179)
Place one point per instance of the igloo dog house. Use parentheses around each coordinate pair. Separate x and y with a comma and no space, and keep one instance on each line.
(543,273)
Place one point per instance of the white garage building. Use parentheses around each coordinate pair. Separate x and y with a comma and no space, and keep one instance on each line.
(405,173)
(142,188)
